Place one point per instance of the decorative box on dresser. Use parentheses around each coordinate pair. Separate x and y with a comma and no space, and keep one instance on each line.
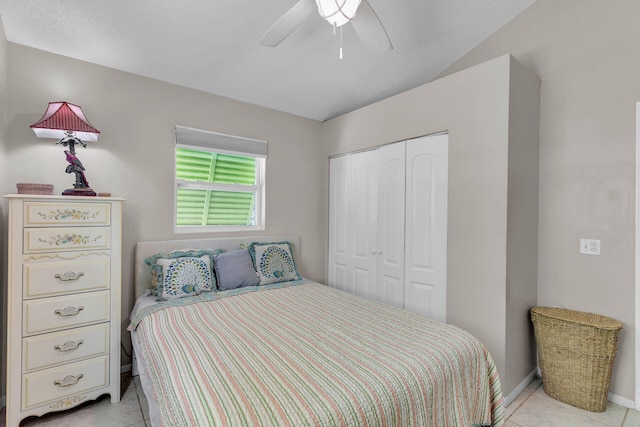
(63,311)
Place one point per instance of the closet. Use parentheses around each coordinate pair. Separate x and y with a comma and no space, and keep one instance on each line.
(388,224)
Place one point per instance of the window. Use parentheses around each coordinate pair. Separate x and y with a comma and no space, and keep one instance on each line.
(219,182)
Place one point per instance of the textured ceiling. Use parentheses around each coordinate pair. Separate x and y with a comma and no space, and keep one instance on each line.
(212,45)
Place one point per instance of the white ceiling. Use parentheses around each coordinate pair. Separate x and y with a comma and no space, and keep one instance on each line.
(212,45)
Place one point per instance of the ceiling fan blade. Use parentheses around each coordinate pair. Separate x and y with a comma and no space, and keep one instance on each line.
(288,22)
(370,30)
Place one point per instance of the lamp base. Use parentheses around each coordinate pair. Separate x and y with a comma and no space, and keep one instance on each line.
(79,192)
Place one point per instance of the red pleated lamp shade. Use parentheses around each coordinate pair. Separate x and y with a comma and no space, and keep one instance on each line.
(63,117)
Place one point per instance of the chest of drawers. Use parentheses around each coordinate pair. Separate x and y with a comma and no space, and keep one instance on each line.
(63,311)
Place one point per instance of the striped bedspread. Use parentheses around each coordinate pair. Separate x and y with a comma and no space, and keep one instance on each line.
(309,355)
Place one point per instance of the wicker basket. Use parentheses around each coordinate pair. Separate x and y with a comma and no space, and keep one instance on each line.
(38,189)
(576,351)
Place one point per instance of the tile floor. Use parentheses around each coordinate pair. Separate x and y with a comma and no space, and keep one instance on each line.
(532,408)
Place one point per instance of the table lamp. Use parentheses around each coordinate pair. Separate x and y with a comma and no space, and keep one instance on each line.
(67,123)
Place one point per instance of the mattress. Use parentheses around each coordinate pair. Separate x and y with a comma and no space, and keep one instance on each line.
(301,353)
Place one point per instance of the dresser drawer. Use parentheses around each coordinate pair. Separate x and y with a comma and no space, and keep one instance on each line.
(49,350)
(57,313)
(39,214)
(38,240)
(65,277)
(57,383)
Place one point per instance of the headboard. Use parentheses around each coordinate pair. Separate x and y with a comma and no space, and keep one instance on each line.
(146,249)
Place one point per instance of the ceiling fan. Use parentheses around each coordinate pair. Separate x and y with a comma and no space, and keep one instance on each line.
(337,12)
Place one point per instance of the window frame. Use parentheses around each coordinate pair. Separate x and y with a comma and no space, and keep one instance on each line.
(258,190)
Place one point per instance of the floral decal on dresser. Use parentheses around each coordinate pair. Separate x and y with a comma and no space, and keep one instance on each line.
(66,403)
(66,214)
(69,239)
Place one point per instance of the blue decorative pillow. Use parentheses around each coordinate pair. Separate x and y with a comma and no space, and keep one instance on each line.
(235,270)
(156,269)
(274,262)
(185,276)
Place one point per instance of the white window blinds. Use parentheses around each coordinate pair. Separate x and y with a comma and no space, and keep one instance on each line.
(220,142)
(219,181)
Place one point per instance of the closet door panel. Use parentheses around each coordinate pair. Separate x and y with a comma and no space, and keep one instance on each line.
(364,220)
(340,265)
(391,223)
(362,279)
(392,291)
(340,279)
(426,225)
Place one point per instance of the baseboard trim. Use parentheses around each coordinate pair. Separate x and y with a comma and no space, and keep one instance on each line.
(519,388)
(622,401)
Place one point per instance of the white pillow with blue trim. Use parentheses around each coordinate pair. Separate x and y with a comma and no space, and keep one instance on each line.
(156,269)
(274,262)
(185,276)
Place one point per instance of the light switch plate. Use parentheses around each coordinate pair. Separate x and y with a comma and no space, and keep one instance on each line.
(590,246)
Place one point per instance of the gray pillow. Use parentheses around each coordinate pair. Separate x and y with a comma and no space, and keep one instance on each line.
(235,269)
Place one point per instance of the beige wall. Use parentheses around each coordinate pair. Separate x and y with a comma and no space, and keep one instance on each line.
(134,155)
(474,107)
(585,53)
(522,223)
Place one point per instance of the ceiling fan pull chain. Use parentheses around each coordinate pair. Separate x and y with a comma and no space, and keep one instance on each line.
(340,42)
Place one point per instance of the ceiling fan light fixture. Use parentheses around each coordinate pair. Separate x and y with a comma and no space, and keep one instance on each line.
(338,12)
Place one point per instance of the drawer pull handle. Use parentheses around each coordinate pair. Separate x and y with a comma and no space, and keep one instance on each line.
(69,276)
(69,311)
(68,346)
(68,380)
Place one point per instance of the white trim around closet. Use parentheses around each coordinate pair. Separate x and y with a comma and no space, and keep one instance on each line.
(637,255)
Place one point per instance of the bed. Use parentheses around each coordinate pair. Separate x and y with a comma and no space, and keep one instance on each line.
(299,353)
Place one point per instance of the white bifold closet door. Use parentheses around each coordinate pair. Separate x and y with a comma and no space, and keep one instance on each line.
(387,224)
(390,248)
(340,242)
(425,281)
(362,223)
